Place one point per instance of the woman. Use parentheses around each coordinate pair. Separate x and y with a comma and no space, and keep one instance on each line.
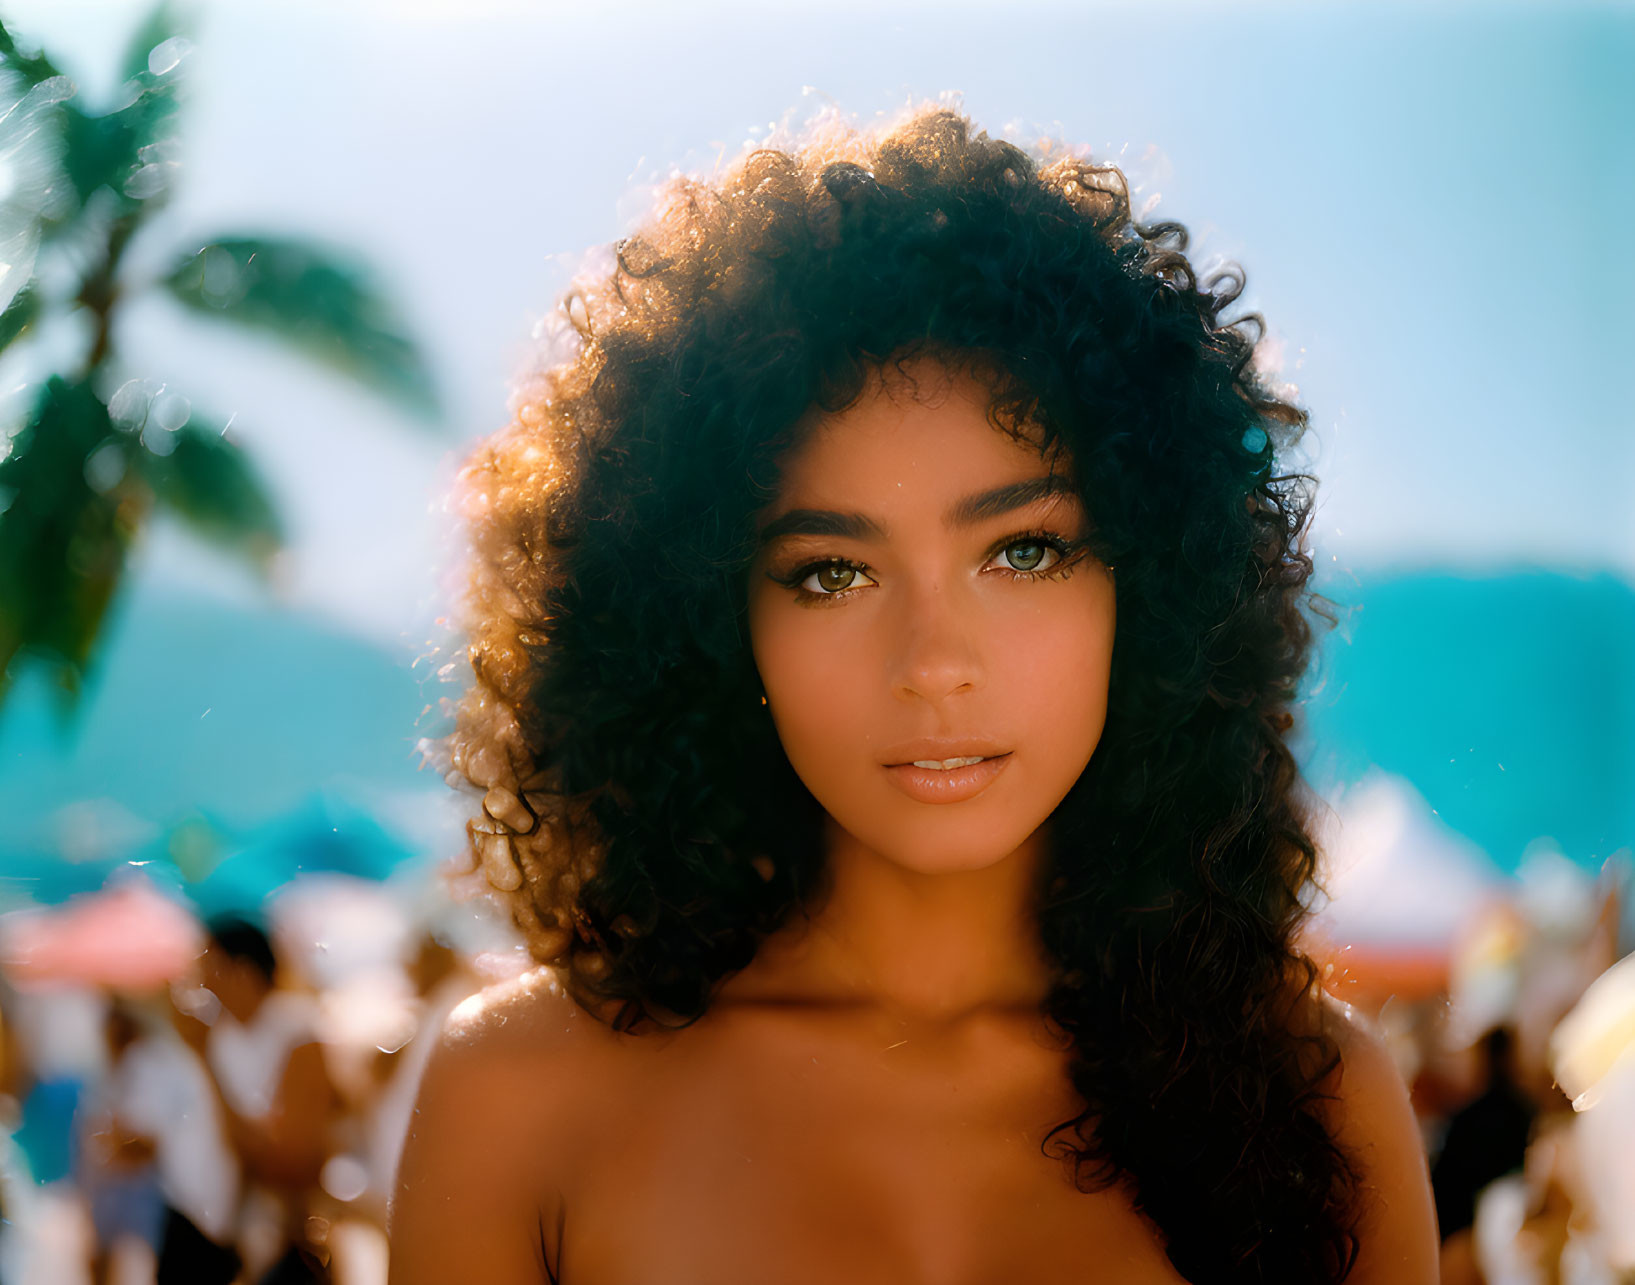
(898,925)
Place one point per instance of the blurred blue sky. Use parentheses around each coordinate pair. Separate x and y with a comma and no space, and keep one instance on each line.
(1429,201)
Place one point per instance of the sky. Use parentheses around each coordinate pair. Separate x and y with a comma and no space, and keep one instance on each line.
(1426,199)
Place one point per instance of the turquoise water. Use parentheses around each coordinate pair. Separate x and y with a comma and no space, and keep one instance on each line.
(1507,700)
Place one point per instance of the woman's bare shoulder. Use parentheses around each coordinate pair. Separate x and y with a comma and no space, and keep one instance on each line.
(522,1049)
(505,1113)
(522,1017)
(1374,1122)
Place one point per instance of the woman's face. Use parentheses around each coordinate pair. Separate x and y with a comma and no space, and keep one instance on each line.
(923,593)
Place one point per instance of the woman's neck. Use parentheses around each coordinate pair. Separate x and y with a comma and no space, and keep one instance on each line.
(921,947)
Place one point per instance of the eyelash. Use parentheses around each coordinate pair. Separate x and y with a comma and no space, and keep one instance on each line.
(1068,553)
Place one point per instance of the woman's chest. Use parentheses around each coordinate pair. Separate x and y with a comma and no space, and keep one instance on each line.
(817,1165)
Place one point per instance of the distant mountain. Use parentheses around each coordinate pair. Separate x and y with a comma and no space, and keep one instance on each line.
(1508,700)
(203,705)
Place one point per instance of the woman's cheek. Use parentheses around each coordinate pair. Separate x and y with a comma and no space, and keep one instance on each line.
(1059,676)
(810,679)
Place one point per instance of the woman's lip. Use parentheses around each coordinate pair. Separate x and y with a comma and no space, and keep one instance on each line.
(932,785)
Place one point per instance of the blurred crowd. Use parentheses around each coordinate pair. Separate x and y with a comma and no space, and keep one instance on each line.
(225,1101)
(238,1121)
(1517,1043)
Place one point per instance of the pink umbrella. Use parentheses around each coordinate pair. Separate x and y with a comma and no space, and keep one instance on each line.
(129,937)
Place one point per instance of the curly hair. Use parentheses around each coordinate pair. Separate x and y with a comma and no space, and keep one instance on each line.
(639,815)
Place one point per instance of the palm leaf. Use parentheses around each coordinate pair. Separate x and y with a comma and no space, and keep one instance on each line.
(164,22)
(19,315)
(63,539)
(33,67)
(130,150)
(109,150)
(210,483)
(322,301)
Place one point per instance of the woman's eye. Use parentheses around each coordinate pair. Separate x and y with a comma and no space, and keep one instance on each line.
(832,578)
(1027,555)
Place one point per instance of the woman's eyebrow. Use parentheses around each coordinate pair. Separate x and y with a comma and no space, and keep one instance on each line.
(967,512)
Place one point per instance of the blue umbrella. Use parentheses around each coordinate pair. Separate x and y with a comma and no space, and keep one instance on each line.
(325,834)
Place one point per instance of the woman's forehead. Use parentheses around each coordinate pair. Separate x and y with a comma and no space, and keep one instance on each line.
(934,433)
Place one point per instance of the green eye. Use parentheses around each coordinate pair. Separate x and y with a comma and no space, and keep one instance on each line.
(1033,553)
(1038,555)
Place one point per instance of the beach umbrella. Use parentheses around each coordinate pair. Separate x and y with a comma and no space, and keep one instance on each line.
(1400,890)
(326,834)
(127,936)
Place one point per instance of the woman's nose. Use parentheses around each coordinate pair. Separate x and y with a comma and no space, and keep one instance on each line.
(936,649)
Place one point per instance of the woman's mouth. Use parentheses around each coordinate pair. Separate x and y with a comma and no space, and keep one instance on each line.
(946,780)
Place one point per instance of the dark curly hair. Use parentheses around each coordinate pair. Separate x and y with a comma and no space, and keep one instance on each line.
(639,812)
